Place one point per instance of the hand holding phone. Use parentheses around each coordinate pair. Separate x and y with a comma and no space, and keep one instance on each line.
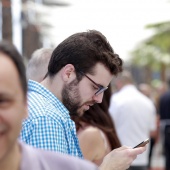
(142,143)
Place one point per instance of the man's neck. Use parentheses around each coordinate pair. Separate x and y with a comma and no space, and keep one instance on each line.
(12,159)
(53,85)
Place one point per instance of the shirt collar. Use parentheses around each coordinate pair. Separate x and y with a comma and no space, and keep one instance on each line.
(38,88)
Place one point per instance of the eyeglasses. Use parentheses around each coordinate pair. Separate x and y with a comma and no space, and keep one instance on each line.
(101,88)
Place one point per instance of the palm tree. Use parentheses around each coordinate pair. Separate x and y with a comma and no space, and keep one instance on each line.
(154,52)
(161,38)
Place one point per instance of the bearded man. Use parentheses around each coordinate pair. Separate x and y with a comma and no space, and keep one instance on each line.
(80,69)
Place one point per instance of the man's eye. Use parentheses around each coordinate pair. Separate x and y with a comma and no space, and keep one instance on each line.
(4,102)
(95,87)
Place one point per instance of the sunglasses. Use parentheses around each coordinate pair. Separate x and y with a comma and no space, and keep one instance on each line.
(101,88)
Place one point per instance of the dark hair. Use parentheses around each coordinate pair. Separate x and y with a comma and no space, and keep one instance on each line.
(10,50)
(99,117)
(84,50)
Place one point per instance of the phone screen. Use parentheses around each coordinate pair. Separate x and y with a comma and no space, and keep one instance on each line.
(142,143)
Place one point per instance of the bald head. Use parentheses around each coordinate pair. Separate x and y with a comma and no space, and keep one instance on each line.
(38,64)
(145,89)
(123,79)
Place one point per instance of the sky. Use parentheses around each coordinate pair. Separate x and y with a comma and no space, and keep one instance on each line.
(121,21)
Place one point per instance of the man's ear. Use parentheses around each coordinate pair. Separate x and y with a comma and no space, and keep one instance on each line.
(68,72)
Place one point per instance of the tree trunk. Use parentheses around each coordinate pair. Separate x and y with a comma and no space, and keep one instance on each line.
(6,20)
(31,36)
(31,40)
(163,72)
(148,74)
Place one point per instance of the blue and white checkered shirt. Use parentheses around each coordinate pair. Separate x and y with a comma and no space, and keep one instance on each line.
(48,125)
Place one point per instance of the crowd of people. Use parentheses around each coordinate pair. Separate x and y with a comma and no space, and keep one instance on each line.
(60,111)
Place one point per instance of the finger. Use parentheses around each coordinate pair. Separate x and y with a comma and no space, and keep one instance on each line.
(123,148)
(139,150)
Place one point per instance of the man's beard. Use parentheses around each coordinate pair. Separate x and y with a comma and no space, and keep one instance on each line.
(71,97)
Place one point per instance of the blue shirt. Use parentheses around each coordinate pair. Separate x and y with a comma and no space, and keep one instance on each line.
(48,125)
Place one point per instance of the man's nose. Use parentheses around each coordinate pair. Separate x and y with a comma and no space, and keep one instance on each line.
(98,98)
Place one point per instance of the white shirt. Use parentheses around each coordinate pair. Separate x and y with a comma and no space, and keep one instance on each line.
(134,118)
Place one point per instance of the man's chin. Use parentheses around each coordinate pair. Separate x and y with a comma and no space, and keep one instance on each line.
(81,112)
(78,113)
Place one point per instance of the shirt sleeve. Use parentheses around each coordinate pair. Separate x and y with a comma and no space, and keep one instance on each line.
(43,132)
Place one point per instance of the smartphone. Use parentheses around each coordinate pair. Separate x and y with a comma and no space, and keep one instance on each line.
(142,143)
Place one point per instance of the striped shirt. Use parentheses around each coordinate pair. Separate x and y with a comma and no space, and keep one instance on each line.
(48,125)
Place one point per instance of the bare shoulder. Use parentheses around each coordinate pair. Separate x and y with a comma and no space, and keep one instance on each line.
(90,133)
(92,143)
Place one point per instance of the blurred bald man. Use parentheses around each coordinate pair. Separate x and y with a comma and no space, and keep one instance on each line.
(38,64)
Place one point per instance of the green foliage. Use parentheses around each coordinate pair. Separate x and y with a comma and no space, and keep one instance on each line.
(160,40)
(156,49)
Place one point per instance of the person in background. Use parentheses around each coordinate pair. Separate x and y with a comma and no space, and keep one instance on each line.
(134,116)
(38,64)
(15,155)
(147,91)
(80,69)
(96,131)
(164,112)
